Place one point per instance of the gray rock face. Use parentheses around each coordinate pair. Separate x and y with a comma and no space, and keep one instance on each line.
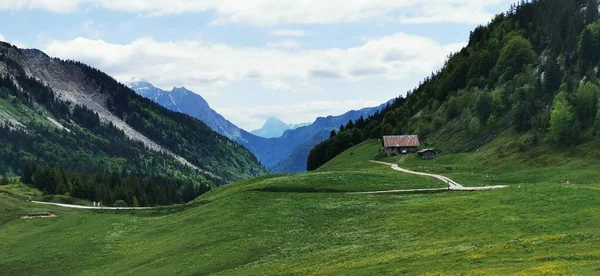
(69,83)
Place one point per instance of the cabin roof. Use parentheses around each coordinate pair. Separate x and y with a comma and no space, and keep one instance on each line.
(401,141)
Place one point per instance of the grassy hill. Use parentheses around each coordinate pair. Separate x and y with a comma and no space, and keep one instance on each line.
(305,224)
(532,70)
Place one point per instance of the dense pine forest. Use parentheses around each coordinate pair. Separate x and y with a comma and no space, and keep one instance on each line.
(534,69)
(63,148)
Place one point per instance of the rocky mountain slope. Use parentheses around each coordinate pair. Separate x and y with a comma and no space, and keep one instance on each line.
(182,100)
(68,86)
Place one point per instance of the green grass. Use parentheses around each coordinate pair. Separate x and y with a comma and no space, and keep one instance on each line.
(306,224)
(355,158)
(23,113)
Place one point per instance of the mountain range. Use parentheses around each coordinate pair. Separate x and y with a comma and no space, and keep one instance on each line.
(284,154)
(70,116)
(273,128)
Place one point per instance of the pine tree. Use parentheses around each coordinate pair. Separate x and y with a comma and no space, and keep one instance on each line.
(587,51)
(587,103)
(28,172)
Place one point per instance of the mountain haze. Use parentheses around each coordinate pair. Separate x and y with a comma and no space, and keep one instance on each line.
(273,128)
(286,153)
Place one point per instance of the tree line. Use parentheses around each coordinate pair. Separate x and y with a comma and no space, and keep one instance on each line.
(112,188)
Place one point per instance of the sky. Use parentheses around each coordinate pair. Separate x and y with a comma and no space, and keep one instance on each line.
(251,59)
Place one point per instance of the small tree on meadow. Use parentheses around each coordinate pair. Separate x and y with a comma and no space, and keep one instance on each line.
(564,128)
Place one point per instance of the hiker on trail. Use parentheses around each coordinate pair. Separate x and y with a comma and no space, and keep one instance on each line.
(98,204)
(94,203)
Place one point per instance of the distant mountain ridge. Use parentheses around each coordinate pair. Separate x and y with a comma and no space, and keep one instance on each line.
(188,102)
(284,154)
(274,127)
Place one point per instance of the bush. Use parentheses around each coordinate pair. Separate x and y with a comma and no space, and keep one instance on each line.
(121,203)
(473,126)
(564,129)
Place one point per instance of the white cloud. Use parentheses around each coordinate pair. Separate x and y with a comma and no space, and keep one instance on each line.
(274,12)
(56,6)
(254,117)
(287,44)
(208,66)
(276,85)
(288,32)
(473,13)
(15,42)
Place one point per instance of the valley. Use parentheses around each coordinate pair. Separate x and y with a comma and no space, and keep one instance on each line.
(307,223)
(280,147)
(489,166)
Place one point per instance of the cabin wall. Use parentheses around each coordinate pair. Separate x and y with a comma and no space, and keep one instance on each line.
(398,150)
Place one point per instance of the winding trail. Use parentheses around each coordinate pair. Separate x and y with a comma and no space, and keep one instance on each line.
(90,207)
(452,185)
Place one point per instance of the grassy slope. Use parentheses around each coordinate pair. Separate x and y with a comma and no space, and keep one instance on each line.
(287,224)
(24,114)
(511,158)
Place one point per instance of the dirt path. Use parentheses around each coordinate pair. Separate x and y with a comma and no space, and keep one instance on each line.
(452,185)
(90,207)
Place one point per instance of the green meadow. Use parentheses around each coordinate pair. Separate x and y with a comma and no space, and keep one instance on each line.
(546,222)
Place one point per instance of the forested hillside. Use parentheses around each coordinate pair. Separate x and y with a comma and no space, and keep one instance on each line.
(534,68)
(69,128)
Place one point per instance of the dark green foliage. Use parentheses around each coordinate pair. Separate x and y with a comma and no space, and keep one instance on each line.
(586,103)
(28,171)
(587,50)
(522,116)
(119,189)
(514,56)
(453,109)
(507,77)
(552,75)
(483,106)
(563,126)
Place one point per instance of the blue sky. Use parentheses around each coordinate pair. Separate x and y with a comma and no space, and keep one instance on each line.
(252,59)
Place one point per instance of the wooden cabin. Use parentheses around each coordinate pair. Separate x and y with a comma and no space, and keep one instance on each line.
(428,153)
(400,144)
